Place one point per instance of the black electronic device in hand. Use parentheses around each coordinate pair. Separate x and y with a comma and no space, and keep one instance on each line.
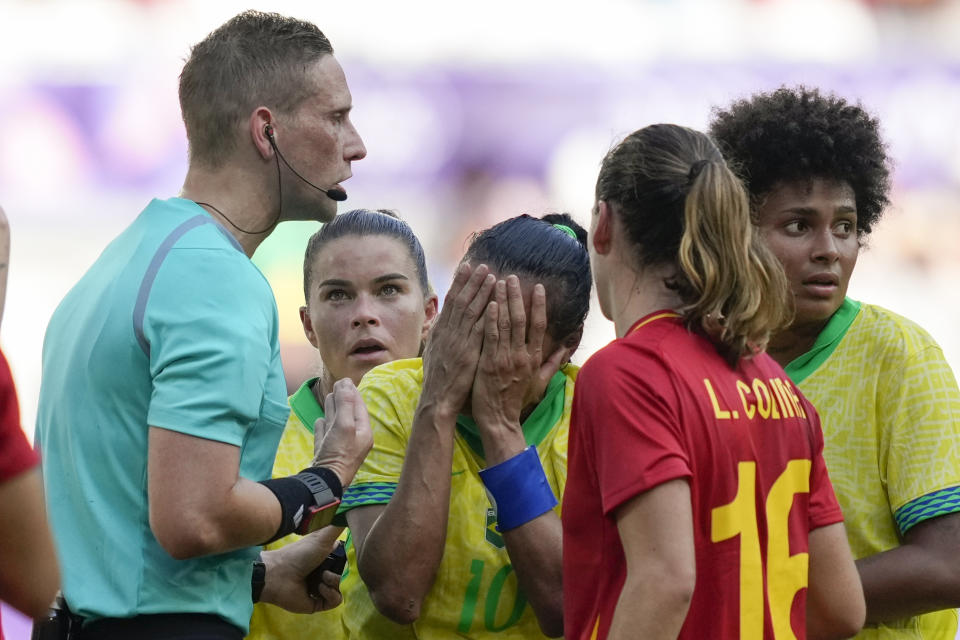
(335,562)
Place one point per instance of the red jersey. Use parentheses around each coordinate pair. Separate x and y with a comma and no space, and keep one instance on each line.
(661,404)
(16,454)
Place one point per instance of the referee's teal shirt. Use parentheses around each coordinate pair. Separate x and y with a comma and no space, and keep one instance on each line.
(171,327)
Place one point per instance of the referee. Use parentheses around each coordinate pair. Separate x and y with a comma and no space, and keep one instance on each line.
(163,396)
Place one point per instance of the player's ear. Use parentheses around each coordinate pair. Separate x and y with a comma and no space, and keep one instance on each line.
(308,327)
(601,236)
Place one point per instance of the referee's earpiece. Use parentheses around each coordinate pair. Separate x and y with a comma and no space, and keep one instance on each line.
(335,192)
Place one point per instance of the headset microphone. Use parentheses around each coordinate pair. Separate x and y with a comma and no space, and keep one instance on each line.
(334,193)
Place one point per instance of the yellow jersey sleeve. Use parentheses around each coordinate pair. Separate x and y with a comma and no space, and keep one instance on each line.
(890,411)
(390,392)
(921,462)
(273,623)
(475,594)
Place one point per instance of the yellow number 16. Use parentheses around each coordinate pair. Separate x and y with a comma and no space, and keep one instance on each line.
(786,574)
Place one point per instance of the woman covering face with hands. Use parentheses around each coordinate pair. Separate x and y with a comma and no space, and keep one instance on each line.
(454,515)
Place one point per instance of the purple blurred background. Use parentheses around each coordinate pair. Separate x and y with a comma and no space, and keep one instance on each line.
(469,116)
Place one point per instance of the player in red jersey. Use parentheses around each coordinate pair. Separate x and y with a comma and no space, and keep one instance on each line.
(29,575)
(697,501)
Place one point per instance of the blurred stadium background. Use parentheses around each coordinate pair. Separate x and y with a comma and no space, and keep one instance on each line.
(471,113)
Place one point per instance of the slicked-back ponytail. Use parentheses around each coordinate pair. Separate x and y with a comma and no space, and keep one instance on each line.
(683,206)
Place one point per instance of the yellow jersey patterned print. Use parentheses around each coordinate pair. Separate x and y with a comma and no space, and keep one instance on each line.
(890,410)
(293,455)
(475,594)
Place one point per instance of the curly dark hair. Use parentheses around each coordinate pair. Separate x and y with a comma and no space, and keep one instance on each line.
(799,134)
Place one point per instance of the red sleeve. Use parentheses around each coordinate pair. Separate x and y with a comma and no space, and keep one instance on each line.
(16,454)
(631,410)
(824,508)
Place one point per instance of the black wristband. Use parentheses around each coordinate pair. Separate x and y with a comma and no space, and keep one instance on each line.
(258,579)
(327,476)
(297,494)
(294,497)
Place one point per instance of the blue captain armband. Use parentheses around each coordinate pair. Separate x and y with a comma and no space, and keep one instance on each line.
(519,489)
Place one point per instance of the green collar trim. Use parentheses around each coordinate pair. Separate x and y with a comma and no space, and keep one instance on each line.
(305,404)
(537,425)
(802,366)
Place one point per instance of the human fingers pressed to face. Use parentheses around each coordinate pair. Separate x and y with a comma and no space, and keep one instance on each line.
(515,331)
(366,305)
(811,226)
(526,302)
(468,295)
(539,342)
(454,345)
(496,324)
(501,328)
(516,312)
(538,322)
(503,371)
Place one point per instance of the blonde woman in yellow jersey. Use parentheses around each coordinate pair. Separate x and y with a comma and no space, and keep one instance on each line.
(819,177)
(454,517)
(367,302)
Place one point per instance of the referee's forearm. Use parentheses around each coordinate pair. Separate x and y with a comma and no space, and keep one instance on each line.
(198,505)
(248,515)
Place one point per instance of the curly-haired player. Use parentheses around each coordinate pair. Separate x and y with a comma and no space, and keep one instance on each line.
(819,174)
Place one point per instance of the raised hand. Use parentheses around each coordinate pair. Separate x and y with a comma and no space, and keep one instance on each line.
(453,347)
(343,438)
(511,374)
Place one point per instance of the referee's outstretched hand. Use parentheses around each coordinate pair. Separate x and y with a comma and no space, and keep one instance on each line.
(453,346)
(343,438)
(285,581)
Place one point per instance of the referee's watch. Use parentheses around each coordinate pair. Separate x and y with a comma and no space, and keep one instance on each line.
(258,579)
(325,500)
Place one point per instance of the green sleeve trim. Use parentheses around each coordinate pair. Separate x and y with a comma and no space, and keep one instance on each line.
(366,493)
(537,425)
(362,494)
(829,339)
(305,405)
(938,503)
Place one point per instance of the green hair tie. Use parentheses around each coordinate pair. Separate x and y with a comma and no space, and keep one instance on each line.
(567,230)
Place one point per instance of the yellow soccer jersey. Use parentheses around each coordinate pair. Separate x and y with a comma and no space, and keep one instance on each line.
(475,594)
(293,455)
(890,410)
